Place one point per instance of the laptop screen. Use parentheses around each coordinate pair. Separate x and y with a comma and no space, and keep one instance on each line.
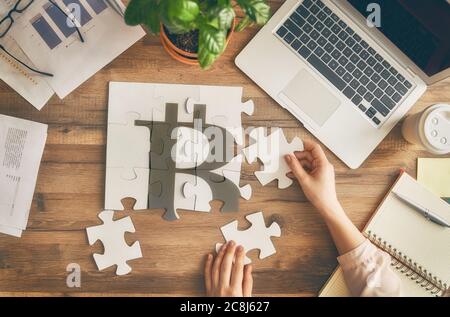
(419,28)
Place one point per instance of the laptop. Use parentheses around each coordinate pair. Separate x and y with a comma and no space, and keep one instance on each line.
(346,79)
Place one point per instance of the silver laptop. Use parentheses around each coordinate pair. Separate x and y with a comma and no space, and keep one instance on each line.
(345,80)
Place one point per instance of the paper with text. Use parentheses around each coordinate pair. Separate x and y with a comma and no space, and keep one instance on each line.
(21,147)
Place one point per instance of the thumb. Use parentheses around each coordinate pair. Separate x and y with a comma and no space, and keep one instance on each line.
(296,168)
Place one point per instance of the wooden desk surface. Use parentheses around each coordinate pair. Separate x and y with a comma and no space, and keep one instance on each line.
(70,190)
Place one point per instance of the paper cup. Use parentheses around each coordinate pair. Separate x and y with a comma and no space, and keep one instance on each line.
(429,129)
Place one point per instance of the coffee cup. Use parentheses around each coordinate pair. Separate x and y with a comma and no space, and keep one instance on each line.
(429,129)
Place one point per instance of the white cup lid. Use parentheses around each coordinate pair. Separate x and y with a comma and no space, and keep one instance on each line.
(437,129)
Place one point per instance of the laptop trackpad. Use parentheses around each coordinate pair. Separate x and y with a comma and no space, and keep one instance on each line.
(311,97)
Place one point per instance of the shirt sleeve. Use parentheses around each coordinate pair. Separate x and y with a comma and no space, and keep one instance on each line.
(367,272)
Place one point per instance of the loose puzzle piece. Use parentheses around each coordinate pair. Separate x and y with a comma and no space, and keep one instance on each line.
(128,147)
(258,236)
(271,151)
(117,251)
(118,188)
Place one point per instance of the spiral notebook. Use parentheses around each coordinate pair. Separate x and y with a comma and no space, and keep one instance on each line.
(420,249)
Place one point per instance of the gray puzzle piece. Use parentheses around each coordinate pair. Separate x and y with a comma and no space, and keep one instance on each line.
(161,192)
(161,141)
(226,148)
(165,192)
(222,189)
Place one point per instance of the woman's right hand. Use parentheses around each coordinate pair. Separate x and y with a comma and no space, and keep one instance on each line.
(315,175)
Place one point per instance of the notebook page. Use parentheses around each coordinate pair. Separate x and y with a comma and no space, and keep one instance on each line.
(336,287)
(425,242)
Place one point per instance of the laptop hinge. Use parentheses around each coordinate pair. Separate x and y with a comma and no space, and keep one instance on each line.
(411,72)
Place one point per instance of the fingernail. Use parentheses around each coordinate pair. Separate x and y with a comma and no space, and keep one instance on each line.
(240,248)
(232,243)
(209,256)
(288,158)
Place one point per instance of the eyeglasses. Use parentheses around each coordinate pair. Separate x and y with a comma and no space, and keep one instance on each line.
(7,22)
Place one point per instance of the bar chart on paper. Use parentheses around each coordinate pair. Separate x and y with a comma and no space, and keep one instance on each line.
(48,32)
(54,27)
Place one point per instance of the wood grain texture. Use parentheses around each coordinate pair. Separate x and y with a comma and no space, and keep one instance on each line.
(70,189)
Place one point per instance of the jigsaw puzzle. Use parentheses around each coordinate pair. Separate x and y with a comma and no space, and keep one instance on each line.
(111,234)
(271,150)
(258,236)
(179,147)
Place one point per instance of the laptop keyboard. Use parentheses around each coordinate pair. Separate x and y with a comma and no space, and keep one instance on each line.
(345,59)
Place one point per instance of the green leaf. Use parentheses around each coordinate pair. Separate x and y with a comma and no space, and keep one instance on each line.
(212,39)
(224,3)
(183,10)
(257,10)
(143,12)
(205,57)
(179,16)
(246,21)
(226,16)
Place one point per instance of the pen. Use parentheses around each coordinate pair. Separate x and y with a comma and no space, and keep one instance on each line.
(424,211)
(116,7)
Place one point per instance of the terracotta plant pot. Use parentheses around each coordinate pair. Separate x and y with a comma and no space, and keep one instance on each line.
(182,55)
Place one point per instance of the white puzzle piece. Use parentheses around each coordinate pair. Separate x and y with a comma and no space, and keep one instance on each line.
(187,202)
(118,188)
(178,94)
(271,151)
(223,111)
(198,189)
(232,171)
(258,236)
(111,234)
(202,191)
(133,97)
(128,147)
(235,177)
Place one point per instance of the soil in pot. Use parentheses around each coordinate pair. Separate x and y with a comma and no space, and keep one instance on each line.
(186,41)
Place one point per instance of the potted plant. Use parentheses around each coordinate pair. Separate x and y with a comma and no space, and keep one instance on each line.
(196,31)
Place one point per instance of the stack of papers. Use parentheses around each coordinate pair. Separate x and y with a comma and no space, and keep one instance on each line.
(21,146)
(45,39)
